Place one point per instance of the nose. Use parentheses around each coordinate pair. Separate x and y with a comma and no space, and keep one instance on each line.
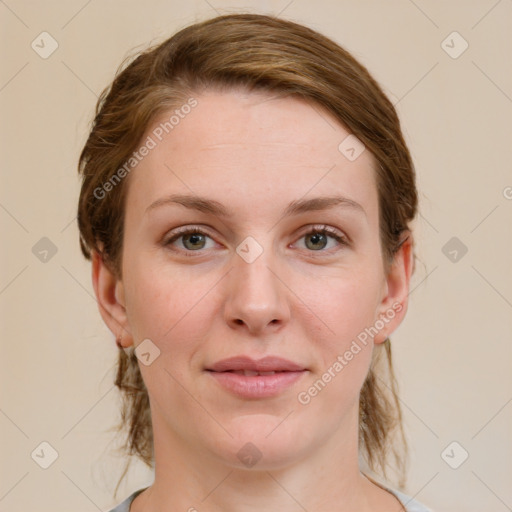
(256,299)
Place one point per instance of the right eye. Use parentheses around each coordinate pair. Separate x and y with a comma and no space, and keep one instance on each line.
(191,239)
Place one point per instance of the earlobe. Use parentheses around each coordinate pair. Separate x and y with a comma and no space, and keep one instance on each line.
(393,306)
(109,293)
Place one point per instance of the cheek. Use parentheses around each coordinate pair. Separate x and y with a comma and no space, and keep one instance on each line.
(345,308)
(165,304)
(345,349)
(343,305)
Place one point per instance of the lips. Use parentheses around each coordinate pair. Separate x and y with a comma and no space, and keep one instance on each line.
(244,365)
(250,373)
(256,379)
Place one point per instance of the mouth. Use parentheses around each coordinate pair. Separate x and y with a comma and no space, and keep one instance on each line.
(248,378)
(267,365)
(250,373)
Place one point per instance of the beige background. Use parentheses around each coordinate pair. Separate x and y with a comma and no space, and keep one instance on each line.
(454,351)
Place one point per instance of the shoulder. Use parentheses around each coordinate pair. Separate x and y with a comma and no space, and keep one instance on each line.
(410,504)
(125,505)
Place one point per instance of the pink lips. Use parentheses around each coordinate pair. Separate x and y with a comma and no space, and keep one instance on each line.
(261,378)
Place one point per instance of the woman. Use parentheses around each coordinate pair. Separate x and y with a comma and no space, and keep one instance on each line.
(246,202)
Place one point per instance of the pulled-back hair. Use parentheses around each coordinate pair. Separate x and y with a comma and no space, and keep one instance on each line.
(256,53)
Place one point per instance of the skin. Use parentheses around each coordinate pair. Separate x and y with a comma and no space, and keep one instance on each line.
(301,299)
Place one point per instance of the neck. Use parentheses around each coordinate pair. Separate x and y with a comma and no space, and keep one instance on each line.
(189,479)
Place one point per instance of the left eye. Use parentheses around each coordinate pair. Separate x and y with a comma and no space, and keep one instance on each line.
(317,239)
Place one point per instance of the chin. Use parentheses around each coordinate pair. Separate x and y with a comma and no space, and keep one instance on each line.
(263,442)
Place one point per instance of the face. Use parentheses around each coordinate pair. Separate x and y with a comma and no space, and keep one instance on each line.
(248,233)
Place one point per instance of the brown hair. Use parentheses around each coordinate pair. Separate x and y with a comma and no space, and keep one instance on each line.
(256,52)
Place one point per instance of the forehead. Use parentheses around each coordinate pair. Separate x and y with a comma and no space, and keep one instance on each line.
(251,144)
(240,117)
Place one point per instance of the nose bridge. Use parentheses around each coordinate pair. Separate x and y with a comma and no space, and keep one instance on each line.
(256,296)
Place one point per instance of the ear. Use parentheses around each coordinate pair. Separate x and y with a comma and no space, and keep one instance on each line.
(393,306)
(111,301)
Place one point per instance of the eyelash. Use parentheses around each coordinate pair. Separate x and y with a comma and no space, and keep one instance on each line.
(318,229)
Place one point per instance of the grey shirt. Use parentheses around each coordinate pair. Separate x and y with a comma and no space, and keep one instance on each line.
(409,503)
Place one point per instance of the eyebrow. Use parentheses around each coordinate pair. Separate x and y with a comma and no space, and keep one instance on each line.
(211,206)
